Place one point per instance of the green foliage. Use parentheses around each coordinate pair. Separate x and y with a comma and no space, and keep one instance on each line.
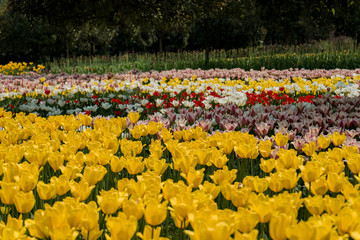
(269,58)
(38,30)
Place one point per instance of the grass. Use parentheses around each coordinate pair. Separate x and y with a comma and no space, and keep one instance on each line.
(324,55)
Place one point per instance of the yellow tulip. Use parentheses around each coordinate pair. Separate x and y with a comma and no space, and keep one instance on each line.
(203,156)
(28,181)
(311,171)
(13,229)
(110,201)
(354,163)
(90,216)
(130,148)
(288,159)
(219,160)
(91,235)
(246,220)
(253,235)
(71,170)
(80,190)
(156,165)
(224,175)
(335,154)
(155,213)
(170,189)
(85,119)
(55,218)
(335,182)
(210,188)
(319,186)
(24,202)
(348,190)
(121,227)
(265,148)
(111,143)
(210,225)
(263,208)
(37,154)
(194,177)
(226,189)
(134,165)
(46,191)
(187,135)
(289,178)
(62,184)
(324,227)
(275,183)
(156,149)
(165,135)
(94,174)
(226,145)
(179,222)
(177,135)
(246,150)
(334,205)
(281,140)
(182,204)
(151,234)
(338,139)
(117,164)
(323,141)
(347,220)
(309,148)
(133,116)
(288,203)
(256,184)
(278,225)
(315,205)
(139,131)
(11,171)
(37,227)
(267,165)
(56,160)
(184,163)
(133,207)
(301,231)
(240,197)
(154,127)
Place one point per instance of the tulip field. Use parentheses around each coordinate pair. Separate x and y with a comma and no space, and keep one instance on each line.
(180,154)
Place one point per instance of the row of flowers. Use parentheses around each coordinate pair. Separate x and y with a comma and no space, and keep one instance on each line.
(68,176)
(327,115)
(56,94)
(20,68)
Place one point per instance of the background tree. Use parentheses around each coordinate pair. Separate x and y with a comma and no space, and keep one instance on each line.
(49,29)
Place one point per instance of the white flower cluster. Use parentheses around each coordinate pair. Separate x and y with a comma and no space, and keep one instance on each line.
(350,90)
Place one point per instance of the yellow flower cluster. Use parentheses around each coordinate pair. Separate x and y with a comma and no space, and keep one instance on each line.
(19,68)
(64,170)
(296,85)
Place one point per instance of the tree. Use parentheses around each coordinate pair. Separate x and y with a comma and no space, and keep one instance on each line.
(204,12)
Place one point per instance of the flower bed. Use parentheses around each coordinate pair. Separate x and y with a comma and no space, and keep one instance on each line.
(109,95)
(193,157)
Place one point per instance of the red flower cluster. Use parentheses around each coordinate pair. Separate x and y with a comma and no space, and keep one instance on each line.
(307,98)
(272,98)
(268,98)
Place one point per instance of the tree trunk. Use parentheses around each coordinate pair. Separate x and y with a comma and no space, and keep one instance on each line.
(254,37)
(161,37)
(67,50)
(207,44)
(91,49)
